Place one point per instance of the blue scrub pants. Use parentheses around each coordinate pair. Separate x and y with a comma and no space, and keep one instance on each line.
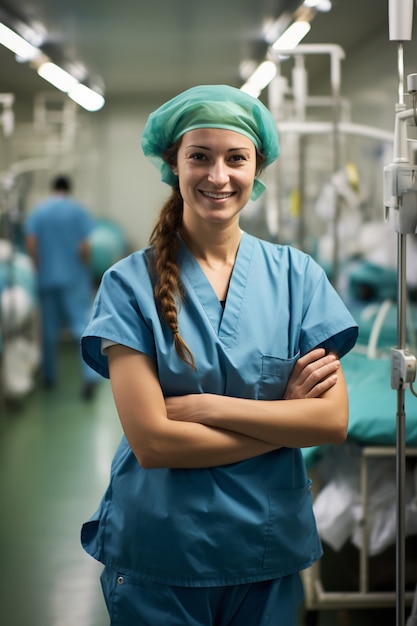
(68,306)
(133,602)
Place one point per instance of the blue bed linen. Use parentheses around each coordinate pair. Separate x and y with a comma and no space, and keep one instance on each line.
(372,406)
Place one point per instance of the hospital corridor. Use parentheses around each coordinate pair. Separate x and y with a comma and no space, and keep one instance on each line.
(216,204)
(55,455)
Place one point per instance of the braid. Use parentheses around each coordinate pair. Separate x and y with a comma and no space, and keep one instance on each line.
(168,289)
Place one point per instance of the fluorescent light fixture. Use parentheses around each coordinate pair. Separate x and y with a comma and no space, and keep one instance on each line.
(17,44)
(260,78)
(319,5)
(292,36)
(58,77)
(82,95)
(86,97)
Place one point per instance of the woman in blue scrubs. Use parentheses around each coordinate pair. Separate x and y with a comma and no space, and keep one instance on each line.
(224,358)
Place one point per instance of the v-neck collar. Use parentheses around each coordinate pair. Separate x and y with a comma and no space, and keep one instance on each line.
(224,322)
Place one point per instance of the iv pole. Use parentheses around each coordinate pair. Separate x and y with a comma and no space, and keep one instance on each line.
(400,198)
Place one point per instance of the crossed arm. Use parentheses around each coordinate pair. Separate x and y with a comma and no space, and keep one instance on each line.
(204,430)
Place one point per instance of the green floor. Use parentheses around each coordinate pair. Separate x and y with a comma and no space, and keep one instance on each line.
(55,451)
(55,454)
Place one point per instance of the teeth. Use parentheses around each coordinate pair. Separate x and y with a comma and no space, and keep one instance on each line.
(217,196)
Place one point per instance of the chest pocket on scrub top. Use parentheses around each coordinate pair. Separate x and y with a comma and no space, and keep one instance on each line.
(274,376)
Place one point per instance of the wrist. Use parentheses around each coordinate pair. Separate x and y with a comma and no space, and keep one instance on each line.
(208,408)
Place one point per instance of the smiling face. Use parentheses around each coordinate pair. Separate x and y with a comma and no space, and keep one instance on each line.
(216,170)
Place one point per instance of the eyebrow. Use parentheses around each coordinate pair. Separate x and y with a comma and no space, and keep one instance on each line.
(208,148)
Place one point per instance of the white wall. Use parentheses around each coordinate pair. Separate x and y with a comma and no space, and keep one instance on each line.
(120,182)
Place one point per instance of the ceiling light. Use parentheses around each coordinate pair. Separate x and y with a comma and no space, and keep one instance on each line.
(81,94)
(64,81)
(86,97)
(320,5)
(58,77)
(17,44)
(261,77)
(292,36)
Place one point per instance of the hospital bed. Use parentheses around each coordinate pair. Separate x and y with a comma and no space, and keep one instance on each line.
(354,484)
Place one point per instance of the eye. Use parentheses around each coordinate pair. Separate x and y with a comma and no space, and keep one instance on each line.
(238,157)
(197,156)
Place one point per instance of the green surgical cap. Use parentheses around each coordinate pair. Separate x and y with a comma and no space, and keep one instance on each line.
(210,106)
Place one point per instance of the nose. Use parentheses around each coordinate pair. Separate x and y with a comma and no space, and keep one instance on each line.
(218,173)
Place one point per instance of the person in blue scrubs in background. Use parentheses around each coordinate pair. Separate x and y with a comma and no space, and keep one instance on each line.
(57,233)
(223,352)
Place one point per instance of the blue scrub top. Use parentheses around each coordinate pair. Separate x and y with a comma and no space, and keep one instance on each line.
(232,524)
(60,224)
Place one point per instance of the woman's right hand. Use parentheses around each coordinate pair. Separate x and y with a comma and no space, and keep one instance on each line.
(313,375)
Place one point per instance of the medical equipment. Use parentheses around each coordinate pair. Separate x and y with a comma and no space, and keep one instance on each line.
(322,147)
(401,200)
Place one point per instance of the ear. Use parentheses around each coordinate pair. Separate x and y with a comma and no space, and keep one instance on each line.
(174,169)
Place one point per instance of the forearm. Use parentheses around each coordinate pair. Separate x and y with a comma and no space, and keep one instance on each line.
(192,445)
(300,422)
(85,251)
(287,423)
(31,248)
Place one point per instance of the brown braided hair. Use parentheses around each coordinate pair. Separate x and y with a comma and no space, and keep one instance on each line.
(168,289)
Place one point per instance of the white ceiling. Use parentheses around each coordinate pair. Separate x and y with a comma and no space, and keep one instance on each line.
(151,48)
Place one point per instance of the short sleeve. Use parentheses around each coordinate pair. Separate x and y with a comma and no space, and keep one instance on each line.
(118,315)
(327,322)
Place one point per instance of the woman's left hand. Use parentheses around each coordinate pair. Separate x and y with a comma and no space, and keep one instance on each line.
(313,375)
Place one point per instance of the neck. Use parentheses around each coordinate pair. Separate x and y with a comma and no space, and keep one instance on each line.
(216,242)
(208,248)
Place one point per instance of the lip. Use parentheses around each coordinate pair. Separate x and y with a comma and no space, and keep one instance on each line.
(217,195)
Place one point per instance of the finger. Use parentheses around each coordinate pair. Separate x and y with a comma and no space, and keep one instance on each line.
(323,386)
(314,359)
(304,362)
(322,368)
(313,376)
(312,356)
(317,369)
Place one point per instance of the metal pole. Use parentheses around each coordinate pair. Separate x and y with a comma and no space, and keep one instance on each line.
(400,19)
(336,95)
(401,438)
